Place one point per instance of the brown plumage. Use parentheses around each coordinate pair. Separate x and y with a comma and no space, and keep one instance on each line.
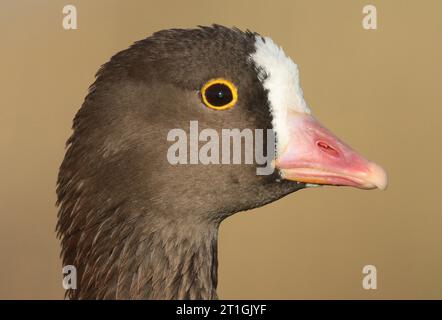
(134,226)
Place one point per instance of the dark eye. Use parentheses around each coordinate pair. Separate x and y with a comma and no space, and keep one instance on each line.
(219,94)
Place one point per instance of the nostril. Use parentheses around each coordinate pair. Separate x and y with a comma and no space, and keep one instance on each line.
(324,146)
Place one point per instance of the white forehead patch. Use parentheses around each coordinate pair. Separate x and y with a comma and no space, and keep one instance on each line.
(280,77)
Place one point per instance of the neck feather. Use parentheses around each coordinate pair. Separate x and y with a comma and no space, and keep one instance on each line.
(144,258)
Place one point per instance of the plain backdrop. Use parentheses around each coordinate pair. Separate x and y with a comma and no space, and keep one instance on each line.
(379,90)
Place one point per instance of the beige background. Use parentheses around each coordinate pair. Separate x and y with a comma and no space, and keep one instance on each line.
(379,90)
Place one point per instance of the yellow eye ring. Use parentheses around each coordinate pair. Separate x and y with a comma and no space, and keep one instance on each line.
(219,94)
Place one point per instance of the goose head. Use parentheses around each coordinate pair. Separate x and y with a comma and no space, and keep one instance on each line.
(143,186)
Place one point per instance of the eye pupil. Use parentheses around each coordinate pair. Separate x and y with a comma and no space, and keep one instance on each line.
(218,94)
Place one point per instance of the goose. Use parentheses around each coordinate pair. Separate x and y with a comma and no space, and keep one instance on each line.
(137,226)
